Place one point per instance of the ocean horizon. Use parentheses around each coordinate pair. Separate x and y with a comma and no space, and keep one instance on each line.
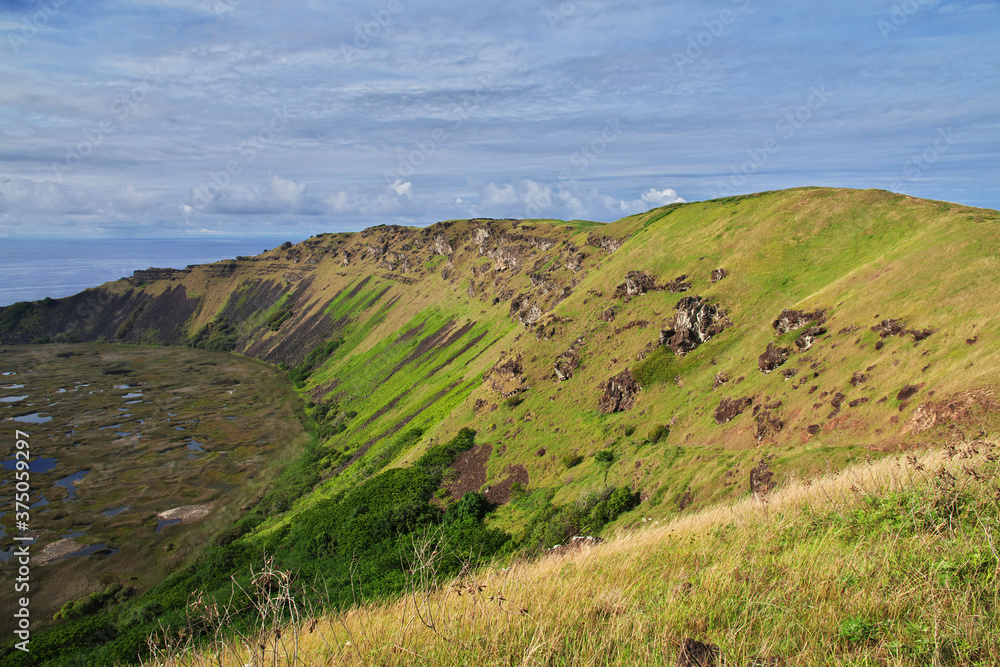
(33,269)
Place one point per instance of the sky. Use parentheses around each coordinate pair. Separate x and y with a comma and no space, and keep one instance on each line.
(188,118)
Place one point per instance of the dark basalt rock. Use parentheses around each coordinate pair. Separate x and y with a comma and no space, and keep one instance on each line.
(698,654)
(608,315)
(679,284)
(908,391)
(636,283)
(567,362)
(694,323)
(618,393)
(768,420)
(808,337)
(718,274)
(730,408)
(790,320)
(890,327)
(772,358)
(761,478)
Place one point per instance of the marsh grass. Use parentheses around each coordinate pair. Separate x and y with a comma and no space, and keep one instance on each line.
(891,562)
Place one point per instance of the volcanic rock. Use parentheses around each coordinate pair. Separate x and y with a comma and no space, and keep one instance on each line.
(694,323)
(718,274)
(789,320)
(619,393)
(729,408)
(772,357)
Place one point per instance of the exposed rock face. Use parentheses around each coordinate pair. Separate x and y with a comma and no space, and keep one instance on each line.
(772,357)
(768,420)
(619,393)
(718,274)
(506,377)
(608,315)
(790,320)
(761,479)
(479,235)
(720,379)
(442,245)
(522,310)
(609,243)
(889,327)
(694,323)
(567,362)
(907,392)
(143,276)
(679,284)
(575,262)
(504,257)
(697,654)
(636,283)
(808,337)
(730,408)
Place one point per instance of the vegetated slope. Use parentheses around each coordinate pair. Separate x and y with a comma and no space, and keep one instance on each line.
(671,359)
(473,323)
(891,562)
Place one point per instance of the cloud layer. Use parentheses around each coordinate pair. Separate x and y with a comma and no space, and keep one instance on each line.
(240,117)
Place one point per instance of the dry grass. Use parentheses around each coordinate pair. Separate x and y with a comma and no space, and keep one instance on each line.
(813,574)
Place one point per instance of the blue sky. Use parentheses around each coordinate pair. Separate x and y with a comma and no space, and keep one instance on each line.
(226,117)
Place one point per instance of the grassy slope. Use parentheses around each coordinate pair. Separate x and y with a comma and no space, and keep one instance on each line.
(887,563)
(417,342)
(863,255)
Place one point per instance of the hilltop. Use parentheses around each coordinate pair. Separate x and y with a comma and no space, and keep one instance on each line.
(602,374)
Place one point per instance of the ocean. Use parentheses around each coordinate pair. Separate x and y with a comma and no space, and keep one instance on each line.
(34,269)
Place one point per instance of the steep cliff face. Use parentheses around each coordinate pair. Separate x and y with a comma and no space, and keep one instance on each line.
(732,326)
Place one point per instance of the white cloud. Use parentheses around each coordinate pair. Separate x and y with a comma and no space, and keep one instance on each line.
(403,189)
(662,197)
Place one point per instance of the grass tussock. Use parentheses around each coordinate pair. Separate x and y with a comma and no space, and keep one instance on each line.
(893,562)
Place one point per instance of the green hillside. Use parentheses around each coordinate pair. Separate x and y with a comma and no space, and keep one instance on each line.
(519,382)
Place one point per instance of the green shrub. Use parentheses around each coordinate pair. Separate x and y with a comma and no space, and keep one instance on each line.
(657,434)
(12,315)
(572,460)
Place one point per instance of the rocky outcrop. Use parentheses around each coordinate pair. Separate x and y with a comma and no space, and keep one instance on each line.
(808,337)
(145,276)
(790,320)
(567,362)
(609,243)
(718,274)
(506,377)
(772,358)
(890,327)
(479,236)
(442,246)
(730,408)
(768,420)
(695,322)
(522,310)
(761,479)
(678,284)
(619,393)
(504,257)
(698,654)
(636,283)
